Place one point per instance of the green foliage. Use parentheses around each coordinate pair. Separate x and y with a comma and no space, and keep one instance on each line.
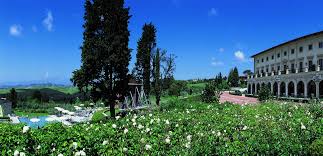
(105,51)
(146,45)
(37,96)
(99,116)
(233,78)
(13,97)
(211,93)
(177,87)
(316,147)
(192,127)
(264,94)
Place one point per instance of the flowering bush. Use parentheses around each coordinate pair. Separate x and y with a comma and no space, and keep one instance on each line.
(195,128)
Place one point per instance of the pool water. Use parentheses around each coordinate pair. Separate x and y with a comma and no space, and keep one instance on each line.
(39,124)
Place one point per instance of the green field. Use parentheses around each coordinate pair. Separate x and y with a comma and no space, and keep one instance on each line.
(66,90)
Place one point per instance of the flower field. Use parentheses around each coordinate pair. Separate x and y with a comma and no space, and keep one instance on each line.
(181,127)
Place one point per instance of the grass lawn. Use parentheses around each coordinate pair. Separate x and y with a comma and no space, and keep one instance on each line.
(28,114)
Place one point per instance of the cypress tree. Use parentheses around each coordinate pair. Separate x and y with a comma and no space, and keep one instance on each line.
(105,52)
(146,45)
(157,81)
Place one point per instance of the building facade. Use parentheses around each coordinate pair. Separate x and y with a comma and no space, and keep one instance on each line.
(291,69)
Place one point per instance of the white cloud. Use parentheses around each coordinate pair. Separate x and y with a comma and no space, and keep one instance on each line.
(221,50)
(34,29)
(216,63)
(213,12)
(48,21)
(15,30)
(239,55)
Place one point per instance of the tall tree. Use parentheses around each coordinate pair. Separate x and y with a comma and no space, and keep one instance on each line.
(146,45)
(157,76)
(105,52)
(233,77)
(13,97)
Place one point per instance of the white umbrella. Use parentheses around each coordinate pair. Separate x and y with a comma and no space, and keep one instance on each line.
(50,119)
(34,120)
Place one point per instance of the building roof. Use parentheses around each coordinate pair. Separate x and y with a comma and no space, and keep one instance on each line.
(285,43)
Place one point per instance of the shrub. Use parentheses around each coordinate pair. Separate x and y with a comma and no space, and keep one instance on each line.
(264,93)
(12,96)
(210,93)
(177,87)
(316,147)
(98,117)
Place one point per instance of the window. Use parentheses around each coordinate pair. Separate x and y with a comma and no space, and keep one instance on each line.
(272,57)
(267,70)
(257,61)
(278,68)
(292,51)
(300,49)
(285,53)
(267,59)
(278,55)
(262,60)
(310,47)
(320,44)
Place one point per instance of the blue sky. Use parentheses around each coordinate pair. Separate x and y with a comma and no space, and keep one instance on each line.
(40,39)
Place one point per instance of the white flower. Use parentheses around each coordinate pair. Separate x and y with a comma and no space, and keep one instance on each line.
(167,140)
(218,134)
(176,125)
(25,129)
(189,137)
(125,149)
(188,145)
(80,153)
(140,126)
(117,117)
(125,131)
(303,126)
(38,147)
(74,145)
(244,128)
(114,126)
(133,120)
(213,132)
(167,122)
(105,142)
(150,115)
(147,129)
(142,140)
(151,121)
(22,154)
(60,154)
(16,153)
(148,147)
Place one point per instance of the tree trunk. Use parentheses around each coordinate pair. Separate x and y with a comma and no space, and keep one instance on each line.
(112,109)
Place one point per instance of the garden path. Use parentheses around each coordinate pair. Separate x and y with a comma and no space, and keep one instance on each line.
(241,100)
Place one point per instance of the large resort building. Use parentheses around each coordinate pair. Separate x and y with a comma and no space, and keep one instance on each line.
(292,69)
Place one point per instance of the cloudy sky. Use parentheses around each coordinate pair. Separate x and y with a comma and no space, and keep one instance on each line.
(40,39)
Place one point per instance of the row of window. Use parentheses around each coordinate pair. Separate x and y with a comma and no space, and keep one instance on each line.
(310,48)
(300,67)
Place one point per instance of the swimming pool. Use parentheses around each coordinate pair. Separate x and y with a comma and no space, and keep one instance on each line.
(41,123)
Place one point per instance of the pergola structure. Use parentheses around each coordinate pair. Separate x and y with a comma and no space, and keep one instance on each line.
(137,98)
